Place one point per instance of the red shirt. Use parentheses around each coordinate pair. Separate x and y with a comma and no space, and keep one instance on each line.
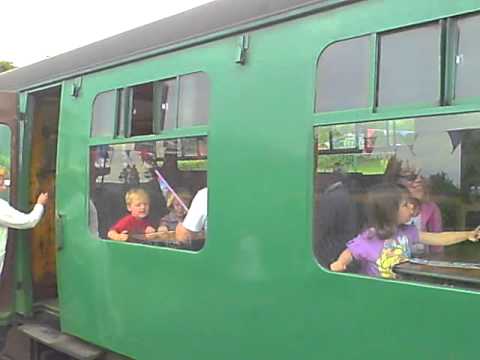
(131,224)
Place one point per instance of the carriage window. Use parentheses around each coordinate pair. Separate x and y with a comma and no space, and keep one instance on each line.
(140,192)
(152,107)
(409,66)
(166,103)
(142,110)
(343,76)
(400,199)
(467,58)
(104,114)
(194,98)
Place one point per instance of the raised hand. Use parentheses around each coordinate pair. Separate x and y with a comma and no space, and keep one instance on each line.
(42,199)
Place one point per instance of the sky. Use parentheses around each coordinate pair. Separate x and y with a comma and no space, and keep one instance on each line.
(33,30)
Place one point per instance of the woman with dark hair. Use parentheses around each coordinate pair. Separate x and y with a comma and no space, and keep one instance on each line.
(429,217)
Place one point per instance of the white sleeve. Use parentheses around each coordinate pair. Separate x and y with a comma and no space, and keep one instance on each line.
(197,214)
(10,217)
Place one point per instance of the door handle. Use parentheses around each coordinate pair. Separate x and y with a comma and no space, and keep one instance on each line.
(59,230)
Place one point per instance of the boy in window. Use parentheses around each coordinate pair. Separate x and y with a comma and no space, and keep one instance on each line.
(138,205)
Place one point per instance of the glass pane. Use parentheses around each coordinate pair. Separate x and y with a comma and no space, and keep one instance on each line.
(104,114)
(166,98)
(409,68)
(142,110)
(343,72)
(468,58)
(194,98)
(5,155)
(140,192)
(389,200)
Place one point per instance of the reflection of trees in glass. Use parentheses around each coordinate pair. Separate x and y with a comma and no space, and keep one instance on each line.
(448,198)
(5,161)
(361,163)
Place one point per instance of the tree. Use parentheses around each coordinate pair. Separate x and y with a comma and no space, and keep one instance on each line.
(6,65)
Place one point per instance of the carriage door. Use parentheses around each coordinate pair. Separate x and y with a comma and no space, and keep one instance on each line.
(8,172)
(39,169)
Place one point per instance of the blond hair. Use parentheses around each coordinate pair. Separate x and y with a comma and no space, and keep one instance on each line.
(3,171)
(183,194)
(136,194)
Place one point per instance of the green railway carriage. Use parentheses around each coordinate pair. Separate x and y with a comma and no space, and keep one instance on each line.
(289,94)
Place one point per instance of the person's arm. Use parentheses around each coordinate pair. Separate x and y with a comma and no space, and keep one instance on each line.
(13,218)
(183,234)
(449,237)
(342,262)
(114,235)
(194,222)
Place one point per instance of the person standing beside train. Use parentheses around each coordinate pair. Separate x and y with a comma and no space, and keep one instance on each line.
(12,218)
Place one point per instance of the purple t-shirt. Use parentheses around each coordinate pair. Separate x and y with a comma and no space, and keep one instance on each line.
(377,257)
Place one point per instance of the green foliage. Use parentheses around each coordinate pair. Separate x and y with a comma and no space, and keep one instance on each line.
(5,161)
(6,65)
(192,165)
(359,163)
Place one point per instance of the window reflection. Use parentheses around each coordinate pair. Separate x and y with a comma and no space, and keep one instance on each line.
(343,71)
(406,79)
(467,58)
(152,181)
(434,159)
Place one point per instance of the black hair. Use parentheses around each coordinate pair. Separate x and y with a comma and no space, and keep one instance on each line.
(383,203)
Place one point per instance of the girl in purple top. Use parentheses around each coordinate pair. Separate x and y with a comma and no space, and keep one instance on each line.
(388,241)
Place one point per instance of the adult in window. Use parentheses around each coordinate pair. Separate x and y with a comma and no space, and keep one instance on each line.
(12,218)
(337,217)
(194,225)
(429,218)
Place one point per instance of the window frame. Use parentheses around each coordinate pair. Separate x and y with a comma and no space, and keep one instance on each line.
(189,133)
(447,72)
(124,105)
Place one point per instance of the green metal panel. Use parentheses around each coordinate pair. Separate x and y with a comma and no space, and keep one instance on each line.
(23,262)
(255,290)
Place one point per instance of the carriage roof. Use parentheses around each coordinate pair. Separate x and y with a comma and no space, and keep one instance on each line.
(218,18)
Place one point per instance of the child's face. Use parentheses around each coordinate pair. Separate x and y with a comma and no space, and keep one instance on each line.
(415,209)
(139,207)
(179,210)
(405,212)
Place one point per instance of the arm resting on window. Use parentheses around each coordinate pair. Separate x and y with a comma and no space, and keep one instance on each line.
(449,238)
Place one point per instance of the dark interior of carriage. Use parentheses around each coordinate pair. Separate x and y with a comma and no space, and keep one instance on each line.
(44,110)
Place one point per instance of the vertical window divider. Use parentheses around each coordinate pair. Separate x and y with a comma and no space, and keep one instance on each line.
(374,63)
(450,38)
(117,112)
(157,107)
(128,108)
(177,101)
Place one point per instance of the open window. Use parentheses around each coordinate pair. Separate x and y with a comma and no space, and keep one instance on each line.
(153,107)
